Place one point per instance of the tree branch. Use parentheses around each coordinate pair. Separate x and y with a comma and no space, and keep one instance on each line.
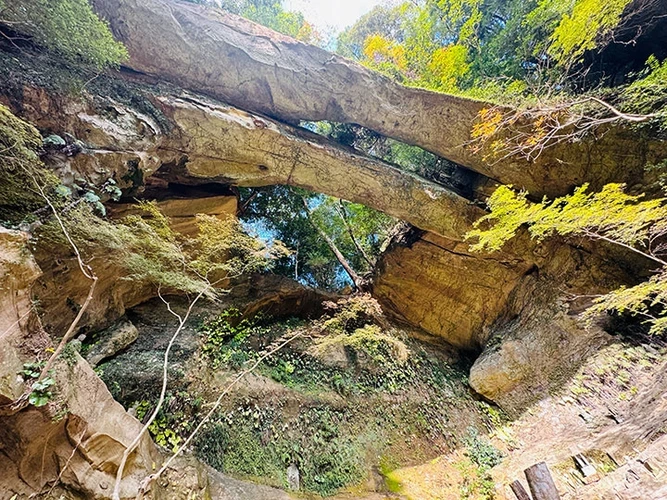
(343,213)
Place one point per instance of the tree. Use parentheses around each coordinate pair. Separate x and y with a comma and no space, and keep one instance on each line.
(279,212)
(485,47)
(69,27)
(636,224)
(356,279)
(271,13)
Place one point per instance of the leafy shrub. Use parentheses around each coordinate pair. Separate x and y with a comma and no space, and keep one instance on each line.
(41,389)
(41,392)
(611,215)
(481,452)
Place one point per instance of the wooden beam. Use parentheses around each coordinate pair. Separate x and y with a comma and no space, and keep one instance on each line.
(519,491)
(541,483)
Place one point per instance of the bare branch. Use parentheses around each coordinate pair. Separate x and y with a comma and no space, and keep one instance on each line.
(182,320)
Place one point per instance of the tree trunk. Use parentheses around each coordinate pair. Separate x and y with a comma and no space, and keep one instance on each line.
(346,221)
(356,279)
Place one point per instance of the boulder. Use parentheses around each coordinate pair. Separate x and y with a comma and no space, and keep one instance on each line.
(111,341)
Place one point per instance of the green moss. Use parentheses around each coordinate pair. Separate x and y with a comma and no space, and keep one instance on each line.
(256,442)
(20,166)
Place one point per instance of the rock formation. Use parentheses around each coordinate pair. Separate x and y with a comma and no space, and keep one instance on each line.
(256,69)
(230,118)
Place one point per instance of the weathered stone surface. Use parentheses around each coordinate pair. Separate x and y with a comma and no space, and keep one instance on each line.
(111,341)
(209,142)
(214,142)
(533,353)
(224,487)
(63,288)
(18,271)
(438,285)
(252,67)
(182,212)
(517,305)
(34,444)
(278,297)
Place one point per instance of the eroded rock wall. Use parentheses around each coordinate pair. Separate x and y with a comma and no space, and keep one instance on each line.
(79,435)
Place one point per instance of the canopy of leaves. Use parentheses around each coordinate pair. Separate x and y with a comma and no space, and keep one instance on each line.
(272,14)
(578,32)
(470,45)
(69,27)
(610,214)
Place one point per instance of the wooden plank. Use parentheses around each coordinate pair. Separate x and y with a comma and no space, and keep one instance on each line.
(519,491)
(541,483)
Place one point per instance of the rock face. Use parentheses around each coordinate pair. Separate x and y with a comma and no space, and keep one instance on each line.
(37,445)
(18,271)
(254,68)
(438,285)
(515,306)
(257,151)
(182,211)
(201,141)
(111,341)
(534,353)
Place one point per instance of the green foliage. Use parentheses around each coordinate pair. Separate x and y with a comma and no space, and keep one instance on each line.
(32,370)
(69,27)
(177,418)
(163,435)
(41,390)
(611,215)
(481,47)
(271,13)
(224,337)
(20,144)
(69,353)
(151,252)
(579,31)
(252,441)
(648,300)
(482,453)
(648,93)
(279,212)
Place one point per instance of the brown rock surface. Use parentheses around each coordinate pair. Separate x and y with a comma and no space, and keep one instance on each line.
(111,341)
(441,287)
(35,444)
(257,152)
(203,141)
(182,212)
(254,68)
(18,271)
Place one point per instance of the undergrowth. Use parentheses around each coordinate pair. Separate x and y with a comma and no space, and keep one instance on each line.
(367,409)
